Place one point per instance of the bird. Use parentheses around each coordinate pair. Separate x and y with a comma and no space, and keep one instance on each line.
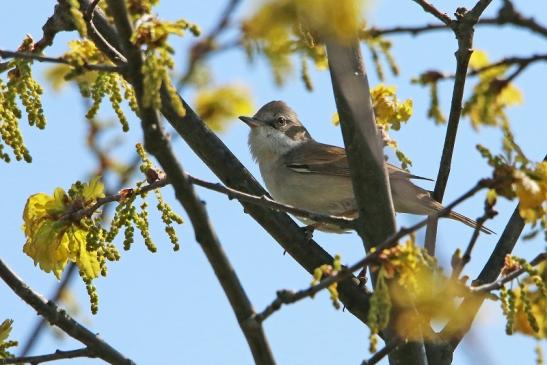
(313,176)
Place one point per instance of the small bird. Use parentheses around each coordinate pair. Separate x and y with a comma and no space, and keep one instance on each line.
(304,173)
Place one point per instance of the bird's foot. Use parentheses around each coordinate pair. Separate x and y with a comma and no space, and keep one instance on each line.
(308,231)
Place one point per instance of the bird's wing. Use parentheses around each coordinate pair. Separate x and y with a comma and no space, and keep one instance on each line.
(318,158)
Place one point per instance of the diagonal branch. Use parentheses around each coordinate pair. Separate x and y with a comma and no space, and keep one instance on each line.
(428,7)
(41,322)
(383,352)
(39,58)
(463,28)
(460,324)
(58,317)
(289,297)
(495,285)
(158,144)
(57,355)
(232,173)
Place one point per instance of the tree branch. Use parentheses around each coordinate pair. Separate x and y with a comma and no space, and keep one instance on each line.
(57,355)
(495,285)
(31,340)
(371,186)
(231,172)
(289,297)
(489,213)
(264,200)
(36,57)
(158,145)
(429,8)
(507,15)
(58,317)
(460,324)
(383,352)
(463,28)
(376,219)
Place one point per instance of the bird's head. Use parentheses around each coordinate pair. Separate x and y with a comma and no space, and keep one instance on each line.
(275,130)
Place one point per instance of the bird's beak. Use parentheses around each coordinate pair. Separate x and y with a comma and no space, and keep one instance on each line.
(250,121)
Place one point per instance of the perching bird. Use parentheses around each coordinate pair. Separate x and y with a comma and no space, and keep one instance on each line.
(313,176)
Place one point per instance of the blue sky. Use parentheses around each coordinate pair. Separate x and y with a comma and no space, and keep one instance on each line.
(168,306)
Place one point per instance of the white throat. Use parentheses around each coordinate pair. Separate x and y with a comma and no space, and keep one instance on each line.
(268,144)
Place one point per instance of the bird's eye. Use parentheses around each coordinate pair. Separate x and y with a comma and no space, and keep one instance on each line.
(281,121)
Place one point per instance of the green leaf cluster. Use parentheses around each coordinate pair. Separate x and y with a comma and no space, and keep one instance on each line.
(20,85)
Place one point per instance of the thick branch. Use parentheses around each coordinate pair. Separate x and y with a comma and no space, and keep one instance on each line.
(289,297)
(158,144)
(58,317)
(460,324)
(363,146)
(37,330)
(57,355)
(376,221)
(231,172)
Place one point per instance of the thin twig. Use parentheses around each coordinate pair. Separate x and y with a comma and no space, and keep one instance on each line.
(57,355)
(77,215)
(289,297)
(342,222)
(98,37)
(521,62)
(383,352)
(485,288)
(463,28)
(460,324)
(428,7)
(489,213)
(60,318)
(36,57)
(88,14)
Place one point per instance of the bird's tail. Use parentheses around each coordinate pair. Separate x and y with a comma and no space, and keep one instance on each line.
(468,221)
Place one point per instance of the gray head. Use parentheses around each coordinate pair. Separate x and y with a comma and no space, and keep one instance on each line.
(275,130)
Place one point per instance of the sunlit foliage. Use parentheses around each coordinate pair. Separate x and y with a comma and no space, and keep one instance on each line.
(65,227)
(151,34)
(5,344)
(491,95)
(326,270)
(524,305)
(515,176)
(389,113)
(20,85)
(219,105)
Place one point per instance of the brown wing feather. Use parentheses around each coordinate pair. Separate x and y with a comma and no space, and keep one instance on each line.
(325,159)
